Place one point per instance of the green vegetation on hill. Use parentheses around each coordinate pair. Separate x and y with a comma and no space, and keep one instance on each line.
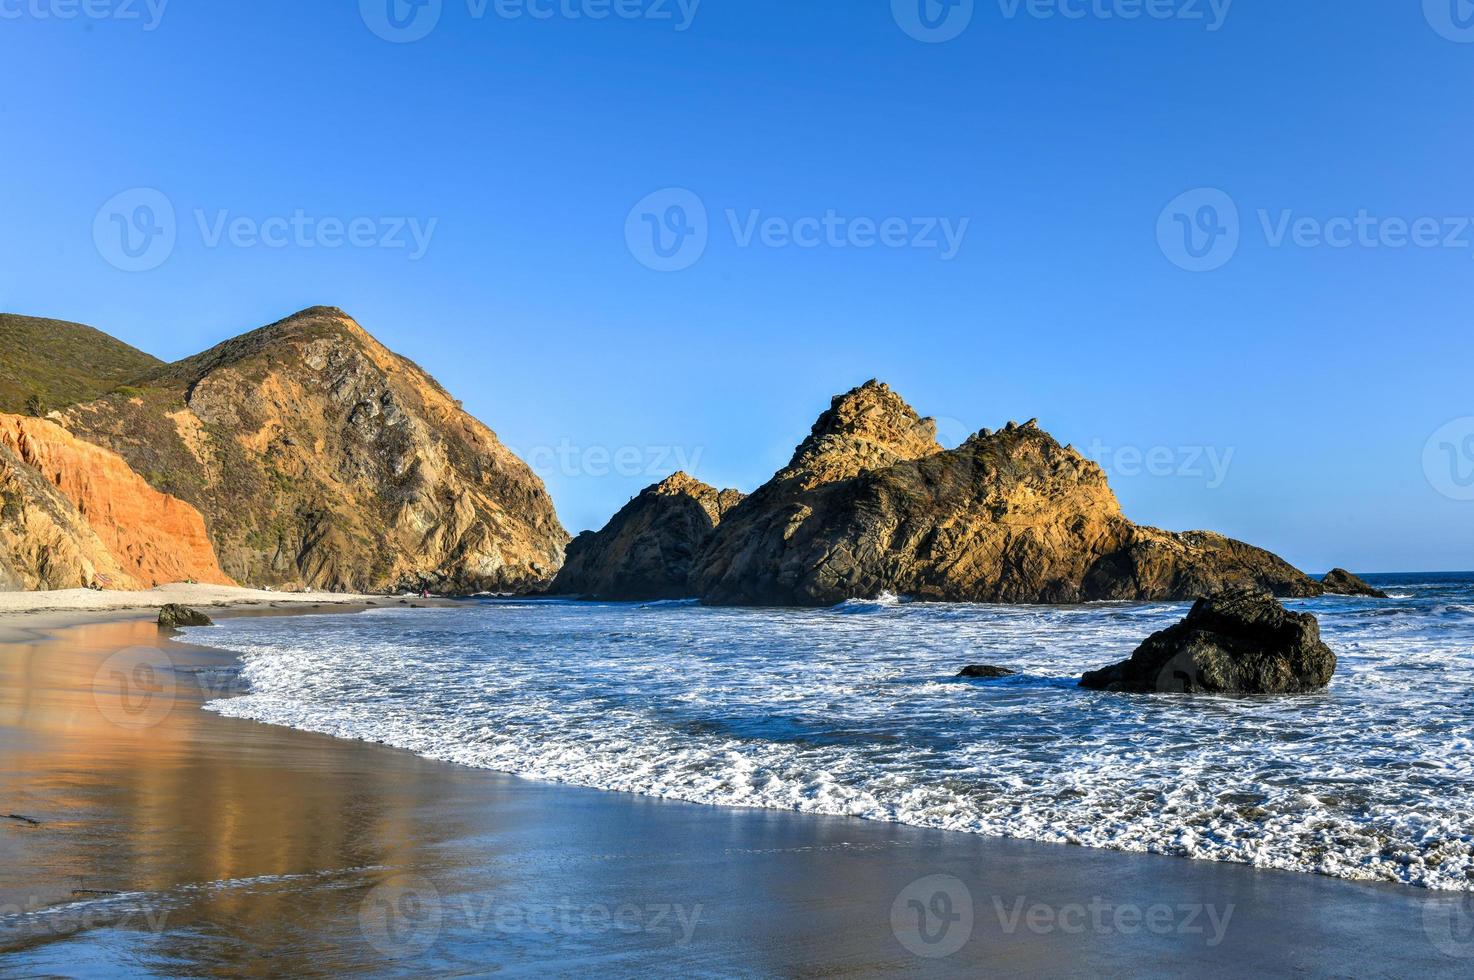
(49,364)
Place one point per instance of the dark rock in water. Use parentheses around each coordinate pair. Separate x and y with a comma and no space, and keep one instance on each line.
(1240,642)
(173,616)
(646,550)
(1342,582)
(872,503)
(986,672)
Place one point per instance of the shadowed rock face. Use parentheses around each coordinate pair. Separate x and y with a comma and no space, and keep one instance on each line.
(870,504)
(1241,642)
(645,551)
(321,459)
(1341,582)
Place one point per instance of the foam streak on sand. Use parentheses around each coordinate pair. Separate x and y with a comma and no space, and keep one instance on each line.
(853,711)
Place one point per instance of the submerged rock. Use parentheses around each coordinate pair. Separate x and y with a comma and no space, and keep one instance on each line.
(985,672)
(1240,642)
(174,616)
(871,503)
(645,552)
(1341,582)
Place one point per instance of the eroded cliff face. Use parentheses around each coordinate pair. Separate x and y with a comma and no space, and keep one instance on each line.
(871,504)
(76,515)
(645,552)
(321,459)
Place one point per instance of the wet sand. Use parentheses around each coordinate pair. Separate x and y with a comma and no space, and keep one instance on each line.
(169,840)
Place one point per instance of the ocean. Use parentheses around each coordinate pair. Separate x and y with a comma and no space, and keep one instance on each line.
(855,711)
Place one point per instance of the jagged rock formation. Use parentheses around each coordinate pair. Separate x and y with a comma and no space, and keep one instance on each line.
(321,459)
(645,551)
(74,515)
(1341,582)
(1241,642)
(870,504)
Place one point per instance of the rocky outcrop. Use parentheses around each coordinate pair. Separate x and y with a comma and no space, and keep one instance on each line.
(174,616)
(1341,582)
(1241,642)
(76,515)
(871,504)
(985,672)
(645,552)
(321,459)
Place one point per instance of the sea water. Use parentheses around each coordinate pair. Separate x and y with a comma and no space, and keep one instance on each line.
(855,710)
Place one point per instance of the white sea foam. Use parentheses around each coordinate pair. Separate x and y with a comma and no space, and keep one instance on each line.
(859,715)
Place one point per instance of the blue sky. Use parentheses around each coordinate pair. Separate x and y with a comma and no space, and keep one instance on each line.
(1307,388)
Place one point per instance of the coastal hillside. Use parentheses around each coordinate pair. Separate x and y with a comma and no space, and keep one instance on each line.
(646,551)
(317,458)
(74,515)
(50,364)
(871,504)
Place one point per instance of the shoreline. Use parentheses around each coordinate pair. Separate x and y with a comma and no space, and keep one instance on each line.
(28,615)
(825,893)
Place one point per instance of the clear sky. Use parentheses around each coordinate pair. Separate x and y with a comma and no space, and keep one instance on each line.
(1287,348)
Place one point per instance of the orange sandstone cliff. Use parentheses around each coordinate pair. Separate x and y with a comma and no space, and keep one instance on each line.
(73,514)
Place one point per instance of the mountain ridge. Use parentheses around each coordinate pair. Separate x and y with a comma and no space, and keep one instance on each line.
(322,459)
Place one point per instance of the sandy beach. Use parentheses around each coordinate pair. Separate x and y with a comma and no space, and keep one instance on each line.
(29,614)
(146,836)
